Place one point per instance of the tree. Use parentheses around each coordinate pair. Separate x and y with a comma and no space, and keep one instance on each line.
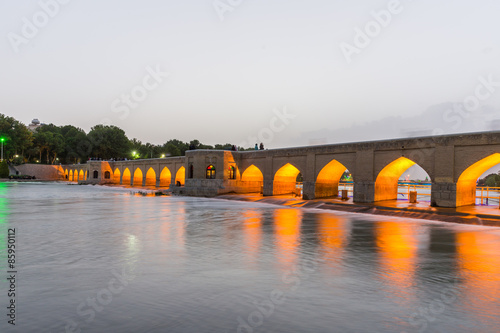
(108,142)
(4,169)
(76,145)
(50,141)
(18,138)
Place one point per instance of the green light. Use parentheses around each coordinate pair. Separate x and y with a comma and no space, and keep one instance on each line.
(2,139)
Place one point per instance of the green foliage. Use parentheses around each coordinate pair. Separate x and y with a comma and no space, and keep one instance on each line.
(68,144)
(18,138)
(108,142)
(4,169)
(492,180)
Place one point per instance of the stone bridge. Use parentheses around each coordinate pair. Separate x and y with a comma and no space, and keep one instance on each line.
(453,163)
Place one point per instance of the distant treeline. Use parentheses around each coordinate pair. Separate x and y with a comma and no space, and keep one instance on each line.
(51,144)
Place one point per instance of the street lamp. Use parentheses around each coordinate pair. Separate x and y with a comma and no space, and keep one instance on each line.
(133,154)
(2,140)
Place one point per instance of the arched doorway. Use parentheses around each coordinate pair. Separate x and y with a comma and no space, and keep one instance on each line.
(285,180)
(395,181)
(466,184)
(116,176)
(180,176)
(327,182)
(126,177)
(137,181)
(252,179)
(165,177)
(151,177)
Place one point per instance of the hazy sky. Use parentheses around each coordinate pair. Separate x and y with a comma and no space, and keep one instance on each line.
(233,64)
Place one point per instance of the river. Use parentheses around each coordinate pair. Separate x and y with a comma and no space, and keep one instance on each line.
(98,259)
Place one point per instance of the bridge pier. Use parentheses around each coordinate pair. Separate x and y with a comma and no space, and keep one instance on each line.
(268,188)
(308,190)
(364,191)
(144,180)
(157,181)
(445,195)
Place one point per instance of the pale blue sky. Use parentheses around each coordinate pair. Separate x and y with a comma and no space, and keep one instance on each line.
(227,76)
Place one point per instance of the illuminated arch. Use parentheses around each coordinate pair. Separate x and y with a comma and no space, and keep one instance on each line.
(86,174)
(137,181)
(81,175)
(66,175)
(252,174)
(327,182)
(165,177)
(466,184)
(126,176)
(252,180)
(116,176)
(386,184)
(151,177)
(180,176)
(285,179)
(71,175)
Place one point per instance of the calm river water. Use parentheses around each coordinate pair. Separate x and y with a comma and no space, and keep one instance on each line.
(97,259)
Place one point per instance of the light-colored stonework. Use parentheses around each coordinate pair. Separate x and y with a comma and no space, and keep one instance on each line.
(453,162)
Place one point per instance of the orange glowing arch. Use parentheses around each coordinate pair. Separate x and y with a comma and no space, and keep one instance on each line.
(327,182)
(180,176)
(116,176)
(151,177)
(165,177)
(70,175)
(126,177)
(137,181)
(466,184)
(252,174)
(386,185)
(285,179)
(81,175)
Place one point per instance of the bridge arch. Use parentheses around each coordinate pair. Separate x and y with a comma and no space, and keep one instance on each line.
(180,175)
(66,175)
(71,175)
(81,175)
(466,184)
(116,176)
(165,177)
(137,181)
(285,179)
(252,179)
(386,183)
(126,176)
(151,177)
(327,181)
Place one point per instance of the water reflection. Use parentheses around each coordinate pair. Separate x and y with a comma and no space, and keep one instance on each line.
(479,262)
(333,234)
(252,230)
(397,245)
(287,233)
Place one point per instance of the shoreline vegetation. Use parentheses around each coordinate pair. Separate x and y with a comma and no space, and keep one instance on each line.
(67,144)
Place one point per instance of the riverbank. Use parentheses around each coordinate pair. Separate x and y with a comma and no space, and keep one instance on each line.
(462,215)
